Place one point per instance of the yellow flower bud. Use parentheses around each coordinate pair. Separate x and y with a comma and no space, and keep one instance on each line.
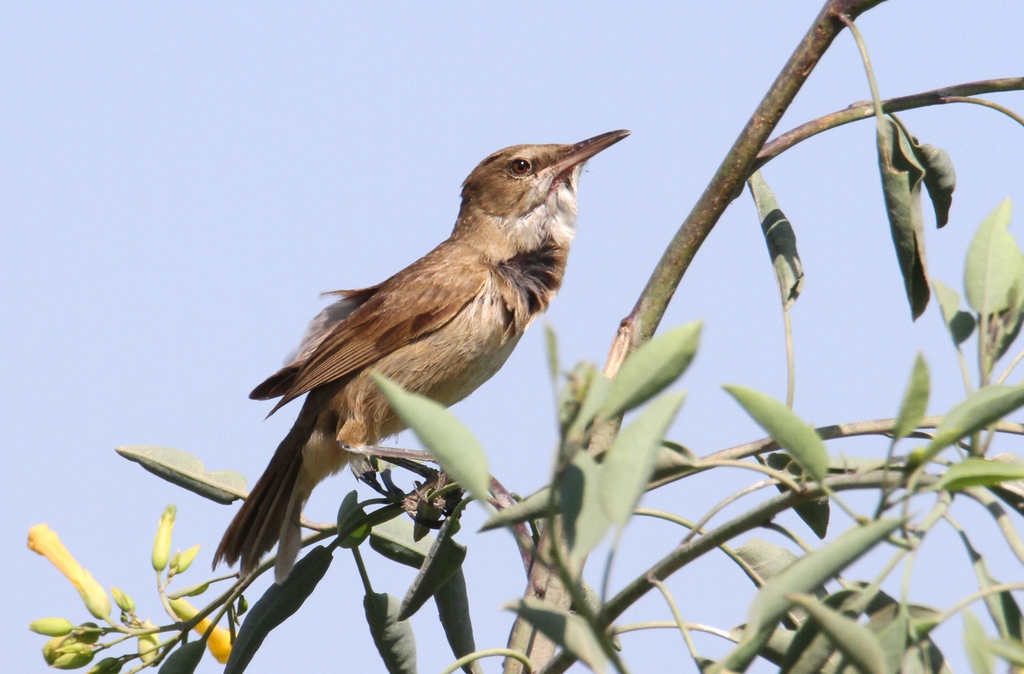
(123,601)
(43,540)
(219,643)
(51,627)
(148,646)
(185,559)
(162,543)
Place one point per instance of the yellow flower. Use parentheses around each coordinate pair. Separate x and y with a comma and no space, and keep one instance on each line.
(43,540)
(219,643)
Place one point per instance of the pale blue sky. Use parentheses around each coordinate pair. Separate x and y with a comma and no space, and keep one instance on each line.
(178,182)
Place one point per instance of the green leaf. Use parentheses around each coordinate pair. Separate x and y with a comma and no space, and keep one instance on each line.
(572,395)
(810,649)
(184,659)
(915,400)
(445,437)
(815,513)
(813,569)
(765,560)
(533,506)
(186,471)
(981,409)
(939,179)
(786,428)
(781,240)
(579,503)
(1002,607)
(856,642)
(1012,492)
(551,344)
(453,611)
(978,472)
(628,464)
(893,637)
(1011,650)
(598,386)
(568,630)
(672,462)
(443,560)
(394,540)
(902,177)
(651,368)
(993,263)
(276,605)
(977,645)
(352,529)
(393,638)
(960,323)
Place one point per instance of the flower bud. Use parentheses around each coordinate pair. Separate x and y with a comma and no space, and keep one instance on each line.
(185,559)
(51,627)
(73,660)
(50,649)
(106,666)
(162,543)
(123,601)
(148,646)
(219,642)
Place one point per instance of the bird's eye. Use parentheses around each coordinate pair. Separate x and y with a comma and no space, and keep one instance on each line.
(519,167)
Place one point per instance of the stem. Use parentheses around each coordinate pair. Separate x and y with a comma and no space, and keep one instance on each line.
(668,624)
(679,620)
(787,327)
(1009,368)
(988,104)
(863,49)
(488,653)
(859,111)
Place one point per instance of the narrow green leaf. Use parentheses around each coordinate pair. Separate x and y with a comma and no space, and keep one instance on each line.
(350,515)
(453,611)
(893,638)
(915,400)
(530,508)
(1011,492)
(579,504)
(394,540)
(977,645)
(672,462)
(551,346)
(813,569)
(993,263)
(1011,650)
(445,557)
(786,428)
(572,395)
(445,437)
(628,464)
(393,637)
(598,386)
(276,605)
(810,649)
(1002,607)
(765,560)
(856,642)
(902,177)
(815,513)
(781,240)
(186,471)
(978,472)
(960,323)
(981,409)
(567,630)
(939,179)
(184,659)
(651,368)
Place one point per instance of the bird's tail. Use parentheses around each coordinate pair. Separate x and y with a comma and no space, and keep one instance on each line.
(272,509)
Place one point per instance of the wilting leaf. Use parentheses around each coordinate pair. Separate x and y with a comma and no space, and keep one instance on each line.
(393,637)
(651,368)
(902,177)
(939,179)
(960,323)
(786,428)
(186,471)
(781,240)
(276,605)
(567,630)
(452,444)
(915,400)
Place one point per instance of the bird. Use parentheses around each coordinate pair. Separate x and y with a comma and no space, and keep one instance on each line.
(441,327)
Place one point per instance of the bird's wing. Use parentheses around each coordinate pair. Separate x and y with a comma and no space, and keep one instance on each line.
(413,303)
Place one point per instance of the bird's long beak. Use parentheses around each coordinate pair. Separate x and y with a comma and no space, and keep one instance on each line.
(584,150)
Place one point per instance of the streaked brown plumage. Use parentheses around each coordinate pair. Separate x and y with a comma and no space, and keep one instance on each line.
(440,327)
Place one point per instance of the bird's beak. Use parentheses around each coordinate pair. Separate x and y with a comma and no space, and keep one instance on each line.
(584,150)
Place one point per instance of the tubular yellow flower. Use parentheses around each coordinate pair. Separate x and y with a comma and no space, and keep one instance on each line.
(219,643)
(43,540)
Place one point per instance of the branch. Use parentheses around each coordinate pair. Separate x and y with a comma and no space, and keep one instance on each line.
(864,110)
(728,179)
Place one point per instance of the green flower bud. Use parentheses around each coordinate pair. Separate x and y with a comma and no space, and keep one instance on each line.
(72,646)
(88,633)
(50,649)
(51,627)
(123,601)
(73,660)
(184,559)
(106,666)
(149,644)
(242,606)
(162,543)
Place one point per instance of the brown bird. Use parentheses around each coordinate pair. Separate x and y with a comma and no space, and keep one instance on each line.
(440,327)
